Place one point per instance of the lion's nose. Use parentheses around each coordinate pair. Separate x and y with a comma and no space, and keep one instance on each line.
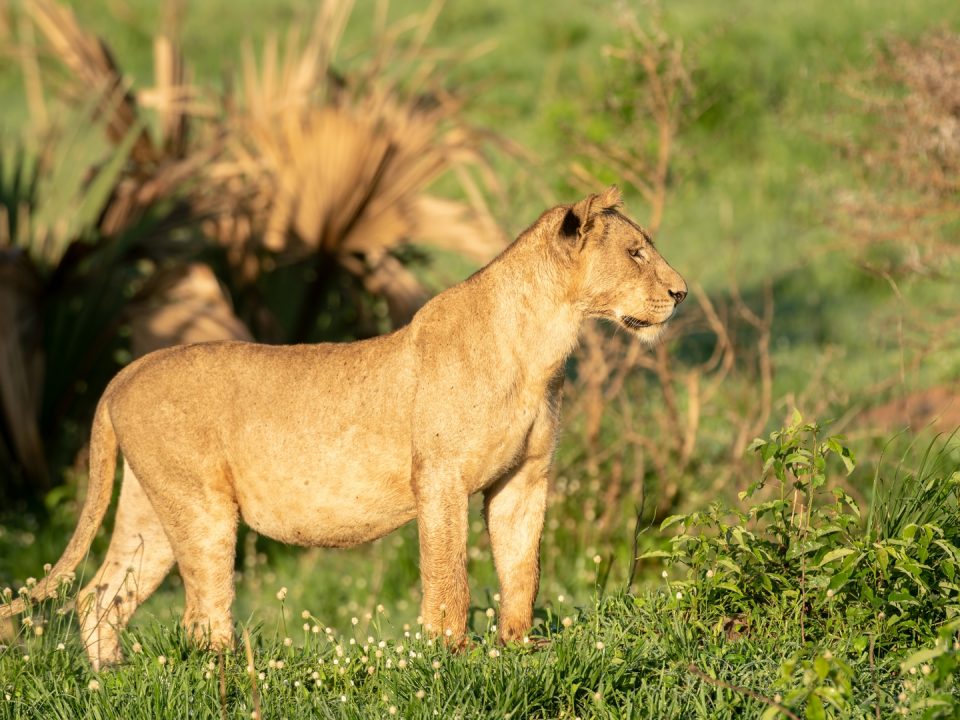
(677,295)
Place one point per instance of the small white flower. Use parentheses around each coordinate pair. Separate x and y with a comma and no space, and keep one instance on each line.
(496,597)
(136,647)
(778,698)
(282,594)
(305,614)
(709,573)
(600,645)
(830,593)
(26,658)
(288,642)
(162,659)
(435,664)
(31,582)
(61,646)
(93,685)
(392,710)
(38,630)
(664,574)
(448,632)
(270,664)
(380,608)
(421,694)
(494,653)
(47,567)
(560,598)
(343,698)
(27,621)
(306,627)
(566,622)
(925,669)
(354,620)
(597,559)
(679,595)
(279,664)
(827,655)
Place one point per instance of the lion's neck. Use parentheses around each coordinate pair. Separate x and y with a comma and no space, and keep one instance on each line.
(535,313)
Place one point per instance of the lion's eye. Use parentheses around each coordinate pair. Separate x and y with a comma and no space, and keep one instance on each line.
(637,253)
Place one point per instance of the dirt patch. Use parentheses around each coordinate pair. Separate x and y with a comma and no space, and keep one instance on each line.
(936,408)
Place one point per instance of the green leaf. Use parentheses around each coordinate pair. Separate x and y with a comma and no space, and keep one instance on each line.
(672,520)
(835,554)
(815,709)
(923,656)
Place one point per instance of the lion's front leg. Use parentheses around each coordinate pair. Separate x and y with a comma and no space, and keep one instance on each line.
(514,509)
(442,526)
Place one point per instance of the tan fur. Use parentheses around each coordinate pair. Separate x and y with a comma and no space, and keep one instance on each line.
(338,444)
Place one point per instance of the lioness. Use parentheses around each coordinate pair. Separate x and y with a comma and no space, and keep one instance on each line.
(338,444)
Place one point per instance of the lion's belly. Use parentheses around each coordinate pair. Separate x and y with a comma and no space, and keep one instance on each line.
(334,495)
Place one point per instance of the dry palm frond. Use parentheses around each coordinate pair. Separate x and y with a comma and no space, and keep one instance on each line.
(184,305)
(158,170)
(319,164)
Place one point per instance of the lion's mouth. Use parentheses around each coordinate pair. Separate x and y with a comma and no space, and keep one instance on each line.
(635,323)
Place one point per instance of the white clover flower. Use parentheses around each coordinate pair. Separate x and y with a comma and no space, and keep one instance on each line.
(261,676)
(567,622)
(288,641)
(490,612)
(61,647)
(26,658)
(27,621)
(282,594)
(206,675)
(925,669)
(830,593)
(679,595)
(270,664)
(420,694)
(38,630)
(93,685)
(664,574)
(305,614)
(496,597)
(600,645)
(827,655)
(47,567)
(392,710)
(709,573)
(597,559)
(306,627)
(380,608)
(401,663)
(7,593)
(136,647)
(435,664)
(371,670)
(31,582)
(162,659)
(279,664)
(561,598)
(494,653)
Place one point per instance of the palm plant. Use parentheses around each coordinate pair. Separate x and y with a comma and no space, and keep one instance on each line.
(303,169)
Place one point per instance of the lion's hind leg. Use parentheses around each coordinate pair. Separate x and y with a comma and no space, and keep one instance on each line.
(138,559)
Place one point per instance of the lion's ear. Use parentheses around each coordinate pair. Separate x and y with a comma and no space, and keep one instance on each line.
(580,219)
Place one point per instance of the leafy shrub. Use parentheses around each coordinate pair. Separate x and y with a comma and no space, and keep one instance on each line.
(804,544)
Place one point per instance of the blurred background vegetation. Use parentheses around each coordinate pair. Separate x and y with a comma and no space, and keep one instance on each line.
(303,172)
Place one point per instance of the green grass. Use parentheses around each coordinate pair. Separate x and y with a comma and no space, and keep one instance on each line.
(752,196)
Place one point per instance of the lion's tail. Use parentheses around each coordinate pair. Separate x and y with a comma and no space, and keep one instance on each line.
(103,461)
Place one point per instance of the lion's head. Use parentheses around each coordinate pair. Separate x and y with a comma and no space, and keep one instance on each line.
(623,277)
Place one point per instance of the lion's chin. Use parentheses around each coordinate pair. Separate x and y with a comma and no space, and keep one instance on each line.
(645,330)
